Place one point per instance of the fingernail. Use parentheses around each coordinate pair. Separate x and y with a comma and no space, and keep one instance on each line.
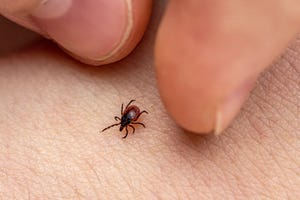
(92,29)
(51,9)
(227,110)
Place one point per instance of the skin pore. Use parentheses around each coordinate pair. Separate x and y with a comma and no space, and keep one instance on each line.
(53,108)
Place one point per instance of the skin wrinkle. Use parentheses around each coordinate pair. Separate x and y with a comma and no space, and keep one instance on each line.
(114,165)
(78,186)
(148,186)
(22,186)
(225,172)
(147,169)
(269,108)
(274,157)
(222,176)
(292,55)
(155,177)
(275,136)
(290,64)
(266,117)
(51,178)
(186,181)
(127,182)
(65,170)
(97,177)
(282,143)
(212,162)
(105,180)
(283,100)
(233,173)
(74,195)
(234,168)
(287,154)
(92,185)
(281,86)
(227,180)
(254,173)
(281,169)
(258,178)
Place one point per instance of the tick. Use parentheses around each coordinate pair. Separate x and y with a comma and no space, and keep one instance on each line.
(129,116)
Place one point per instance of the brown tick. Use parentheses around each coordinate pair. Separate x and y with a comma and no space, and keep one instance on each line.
(128,117)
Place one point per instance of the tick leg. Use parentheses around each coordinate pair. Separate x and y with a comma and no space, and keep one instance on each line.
(122,110)
(144,111)
(139,124)
(117,118)
(126,133)
(110,126)
(132,128)
(129,103)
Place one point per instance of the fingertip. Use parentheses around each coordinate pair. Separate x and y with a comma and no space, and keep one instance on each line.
(98,32)
(208,57)
(95,31)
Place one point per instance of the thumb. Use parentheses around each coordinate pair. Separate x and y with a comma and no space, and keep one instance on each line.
(94,31)
(208,55)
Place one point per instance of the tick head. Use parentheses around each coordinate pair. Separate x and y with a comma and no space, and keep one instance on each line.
(121,127)
(124,122)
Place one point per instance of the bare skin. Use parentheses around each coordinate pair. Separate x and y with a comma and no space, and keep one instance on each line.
(52,109)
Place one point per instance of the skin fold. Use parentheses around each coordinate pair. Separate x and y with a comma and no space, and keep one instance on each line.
(53,108)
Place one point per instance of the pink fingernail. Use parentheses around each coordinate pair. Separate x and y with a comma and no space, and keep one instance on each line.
(50,9)
(231,106)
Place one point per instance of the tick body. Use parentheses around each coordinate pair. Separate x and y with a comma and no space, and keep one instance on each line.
(129,116)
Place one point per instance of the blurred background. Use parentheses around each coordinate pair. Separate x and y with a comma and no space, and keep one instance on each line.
(13,36)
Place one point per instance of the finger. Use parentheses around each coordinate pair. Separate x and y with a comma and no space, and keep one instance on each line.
(208,55)
(94,31)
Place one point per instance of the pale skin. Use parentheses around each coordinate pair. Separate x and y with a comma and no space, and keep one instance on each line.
(52,109)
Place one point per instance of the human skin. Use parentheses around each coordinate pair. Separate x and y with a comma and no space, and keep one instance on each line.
(211,51)
(52,109)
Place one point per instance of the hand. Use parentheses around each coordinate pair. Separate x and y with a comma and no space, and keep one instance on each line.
(210,51)
(53,108)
